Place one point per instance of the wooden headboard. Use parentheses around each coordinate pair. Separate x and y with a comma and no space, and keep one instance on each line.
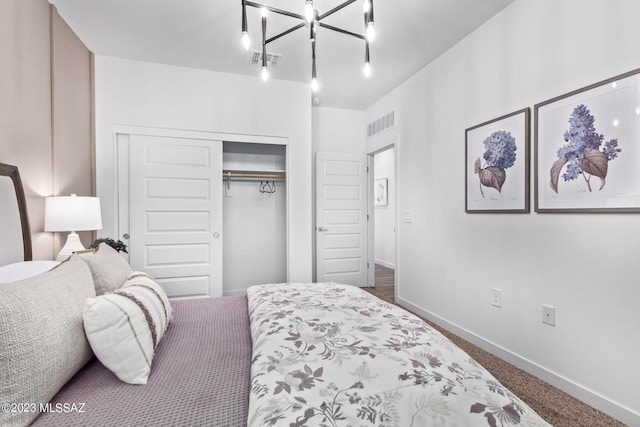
(15,235)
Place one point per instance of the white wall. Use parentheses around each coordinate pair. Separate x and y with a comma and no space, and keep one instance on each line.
(338,130)
(254,230)
(449,260)
(153,95)
(384,166)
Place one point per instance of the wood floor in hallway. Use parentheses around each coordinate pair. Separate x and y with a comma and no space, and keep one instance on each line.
(384,284)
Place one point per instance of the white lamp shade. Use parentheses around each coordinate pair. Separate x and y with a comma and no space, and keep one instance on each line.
(72,213)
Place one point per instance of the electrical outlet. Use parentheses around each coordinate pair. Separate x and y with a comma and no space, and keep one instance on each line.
(549,315)
(496,297)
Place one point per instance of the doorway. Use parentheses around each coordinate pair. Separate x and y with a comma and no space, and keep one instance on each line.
(383,245)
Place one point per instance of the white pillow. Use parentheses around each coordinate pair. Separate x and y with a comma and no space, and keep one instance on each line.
(24,270)
(124,327)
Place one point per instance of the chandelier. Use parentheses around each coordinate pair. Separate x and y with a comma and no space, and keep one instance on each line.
(313,20)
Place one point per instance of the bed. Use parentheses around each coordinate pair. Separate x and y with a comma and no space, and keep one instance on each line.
(297,354)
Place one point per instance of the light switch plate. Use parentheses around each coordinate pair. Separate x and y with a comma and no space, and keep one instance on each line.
(407,216)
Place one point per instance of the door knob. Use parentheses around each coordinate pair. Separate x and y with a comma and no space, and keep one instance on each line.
(125,236)
(216,235)
(322,229)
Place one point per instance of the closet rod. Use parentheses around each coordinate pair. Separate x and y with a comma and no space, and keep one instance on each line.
(251,174)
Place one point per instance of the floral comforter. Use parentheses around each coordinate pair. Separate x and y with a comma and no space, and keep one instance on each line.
(333,355)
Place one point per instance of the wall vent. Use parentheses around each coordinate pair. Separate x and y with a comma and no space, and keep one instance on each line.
(256,58)
(383,123)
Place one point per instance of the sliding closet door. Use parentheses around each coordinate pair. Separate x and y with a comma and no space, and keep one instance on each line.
(175,199)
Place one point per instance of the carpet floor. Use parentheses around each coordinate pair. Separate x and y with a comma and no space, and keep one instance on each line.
(555,406)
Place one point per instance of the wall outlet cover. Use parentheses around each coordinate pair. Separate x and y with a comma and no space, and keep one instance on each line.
(549,314)
(496,297)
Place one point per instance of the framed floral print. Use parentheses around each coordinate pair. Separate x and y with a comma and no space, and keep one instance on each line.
(380,192)
(497,165)
(587,148)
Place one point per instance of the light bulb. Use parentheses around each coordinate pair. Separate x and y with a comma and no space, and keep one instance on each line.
(366,6)
(371,32)
(367,69)
(309,14)
(314,85)
(246,41)
(264,74)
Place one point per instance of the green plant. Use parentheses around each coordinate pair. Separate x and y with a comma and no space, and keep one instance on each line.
(117,245)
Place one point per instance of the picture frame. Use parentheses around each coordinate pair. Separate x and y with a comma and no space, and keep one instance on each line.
(497,165)
(587,149)
(380,192)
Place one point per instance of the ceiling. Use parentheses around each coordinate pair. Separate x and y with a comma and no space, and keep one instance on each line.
(206,34)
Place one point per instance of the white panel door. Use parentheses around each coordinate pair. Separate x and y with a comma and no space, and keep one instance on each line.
(175,203)
(341,218)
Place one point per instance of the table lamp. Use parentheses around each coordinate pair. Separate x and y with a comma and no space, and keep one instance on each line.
(72,213)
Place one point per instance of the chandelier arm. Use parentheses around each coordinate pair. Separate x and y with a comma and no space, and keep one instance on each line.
(284,33)
(264,42)
(340,30)
(313,59)
(244,16)
(276,10)
(335,9)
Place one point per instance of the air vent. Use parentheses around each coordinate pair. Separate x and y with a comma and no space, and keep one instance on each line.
(256,58)
(383,123)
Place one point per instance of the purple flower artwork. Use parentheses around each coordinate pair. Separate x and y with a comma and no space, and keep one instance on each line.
(586,153)
(499,155)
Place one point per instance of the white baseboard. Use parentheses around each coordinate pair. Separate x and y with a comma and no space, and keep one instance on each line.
(586,395)
(385,264)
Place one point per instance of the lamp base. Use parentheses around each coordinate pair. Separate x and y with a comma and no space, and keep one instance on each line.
(73,244)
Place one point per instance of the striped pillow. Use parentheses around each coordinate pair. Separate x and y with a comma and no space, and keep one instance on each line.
(124,327)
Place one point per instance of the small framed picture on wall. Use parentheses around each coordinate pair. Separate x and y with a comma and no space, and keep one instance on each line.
(380,192)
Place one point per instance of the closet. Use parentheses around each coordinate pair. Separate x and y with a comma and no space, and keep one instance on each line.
(254,215)
(203,215)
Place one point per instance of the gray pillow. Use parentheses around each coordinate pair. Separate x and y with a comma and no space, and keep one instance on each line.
(42,339)
(108,268)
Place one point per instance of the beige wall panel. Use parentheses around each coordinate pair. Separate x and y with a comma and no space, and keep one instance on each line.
(25,106)
(71,71)
(52,159)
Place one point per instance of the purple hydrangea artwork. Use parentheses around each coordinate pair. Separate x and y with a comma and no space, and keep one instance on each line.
(499,155)
(585,153)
